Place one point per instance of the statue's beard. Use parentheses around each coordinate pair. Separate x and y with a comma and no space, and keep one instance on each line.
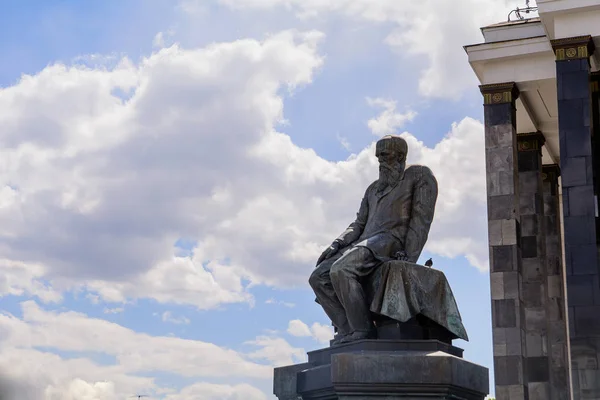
(389,175)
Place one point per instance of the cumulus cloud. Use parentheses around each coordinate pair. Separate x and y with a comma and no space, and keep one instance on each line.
(320,332)
(27,359)
(389,120)
(98,187)
(207,391)
(276,350)
(433,30)
(167,317)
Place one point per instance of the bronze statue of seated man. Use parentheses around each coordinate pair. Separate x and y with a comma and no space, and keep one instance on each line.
(352,277)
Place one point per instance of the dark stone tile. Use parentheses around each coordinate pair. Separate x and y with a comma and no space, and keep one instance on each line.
(551,225)
(578,141)
(532,294)
(529,247)
(566,66)
(574,171)
(531,269)
(529,181)
(508,370)
(529,225)
(566,205)
(580,291)
(584,259)
(579,230)
(504,258)
(550,204)
(581,201)
(574,85)
(587,117)
(571,313)
(570,115)
(539,202)
(596,287)
(538,369)
(553,264)
(589,171)
(527,203)
(501,207)
(584,353)
(562,141)
(555,309)
(587,321)
(498,114)
(529,161)
(504,313)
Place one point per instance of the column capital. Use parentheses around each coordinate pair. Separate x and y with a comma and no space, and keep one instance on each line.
(498,93)
(573,48)
(550,172)
(532,141)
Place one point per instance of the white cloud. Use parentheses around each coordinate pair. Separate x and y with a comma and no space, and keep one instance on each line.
(27,366)
(97,188)
(298,328)
(279,302)
(434,30)
(101,187)
(343,142)
(207,391)
(319,332)
(276,350)
(18,279)
(167,317)
(116,310)
(389,120)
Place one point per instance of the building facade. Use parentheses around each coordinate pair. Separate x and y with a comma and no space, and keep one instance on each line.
(539,80)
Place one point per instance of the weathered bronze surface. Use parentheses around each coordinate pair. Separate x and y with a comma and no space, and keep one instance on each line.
(369,271)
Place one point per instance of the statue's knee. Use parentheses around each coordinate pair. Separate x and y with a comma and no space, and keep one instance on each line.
(315,280)
(337,270)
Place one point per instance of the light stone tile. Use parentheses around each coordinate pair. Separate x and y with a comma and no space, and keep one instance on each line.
(497,285)
(509,231)
(495,232)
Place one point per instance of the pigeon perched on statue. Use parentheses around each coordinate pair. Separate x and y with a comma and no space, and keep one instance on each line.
(429,263)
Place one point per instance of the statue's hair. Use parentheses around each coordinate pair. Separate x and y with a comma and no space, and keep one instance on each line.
(393,143)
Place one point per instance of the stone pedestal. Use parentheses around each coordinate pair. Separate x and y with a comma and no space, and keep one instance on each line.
(384,369)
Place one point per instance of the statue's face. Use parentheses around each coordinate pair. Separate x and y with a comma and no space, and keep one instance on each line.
(389,160)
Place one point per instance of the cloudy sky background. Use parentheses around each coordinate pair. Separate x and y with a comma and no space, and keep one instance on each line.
(170,171)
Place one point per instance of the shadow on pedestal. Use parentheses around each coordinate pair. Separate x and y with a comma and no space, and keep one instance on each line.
(377,369)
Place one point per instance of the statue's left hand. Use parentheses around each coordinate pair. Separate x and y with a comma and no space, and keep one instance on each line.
(329,252)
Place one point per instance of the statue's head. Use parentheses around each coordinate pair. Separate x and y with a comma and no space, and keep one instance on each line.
(391,151)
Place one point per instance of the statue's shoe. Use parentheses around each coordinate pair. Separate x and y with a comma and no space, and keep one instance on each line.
(338,339)
(359,335)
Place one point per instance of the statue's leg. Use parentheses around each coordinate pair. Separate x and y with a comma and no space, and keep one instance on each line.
(320,281)
(346,274)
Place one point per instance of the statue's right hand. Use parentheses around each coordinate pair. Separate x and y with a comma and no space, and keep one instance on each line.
(329,252)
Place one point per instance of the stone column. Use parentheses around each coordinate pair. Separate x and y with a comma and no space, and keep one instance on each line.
(556,320)
(579,210)
(533,259)
(508,314)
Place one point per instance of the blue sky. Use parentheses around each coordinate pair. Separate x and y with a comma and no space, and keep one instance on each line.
(188,213)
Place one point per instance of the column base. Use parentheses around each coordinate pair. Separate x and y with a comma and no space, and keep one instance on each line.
(366,370)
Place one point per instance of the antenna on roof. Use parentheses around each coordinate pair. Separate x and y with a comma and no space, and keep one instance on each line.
(528,9)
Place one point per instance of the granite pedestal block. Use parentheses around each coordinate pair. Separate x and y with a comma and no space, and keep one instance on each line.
(384,369)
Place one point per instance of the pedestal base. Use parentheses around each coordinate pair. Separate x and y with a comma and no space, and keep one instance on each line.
(375,369)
